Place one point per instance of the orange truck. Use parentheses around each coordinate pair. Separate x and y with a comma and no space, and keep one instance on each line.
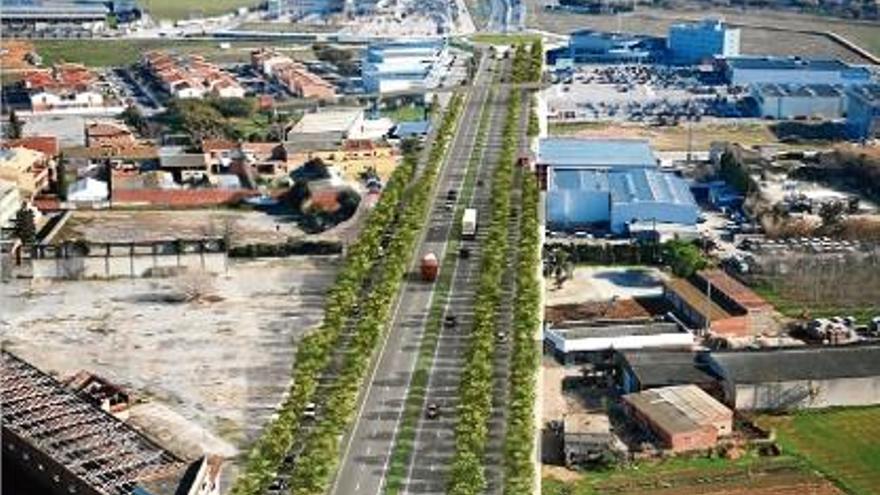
(430,266)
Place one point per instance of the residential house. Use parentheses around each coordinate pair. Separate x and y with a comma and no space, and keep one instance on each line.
(109,134)
(10,202)
(31,171)
(65,87)
(292,75)
(191,76)
(48,145)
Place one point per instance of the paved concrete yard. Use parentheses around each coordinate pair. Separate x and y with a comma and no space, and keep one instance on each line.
(601,283)
(222,365)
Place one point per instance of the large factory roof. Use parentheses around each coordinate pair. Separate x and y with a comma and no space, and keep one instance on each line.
(37,9)
(101,450)
(786,63)
(596,153)
(814,363)
(626,186)
(649,186)
(806,90)
(678,409)
(868,93)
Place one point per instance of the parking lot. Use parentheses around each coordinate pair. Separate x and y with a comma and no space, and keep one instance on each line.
(638,93)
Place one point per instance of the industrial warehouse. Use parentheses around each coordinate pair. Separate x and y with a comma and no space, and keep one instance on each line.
(613,185)
(63,443)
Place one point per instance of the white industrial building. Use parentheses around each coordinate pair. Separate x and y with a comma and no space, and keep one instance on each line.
(404,65)
(811,377)
(788,101)
(695,42)
(575,343)
(744,71)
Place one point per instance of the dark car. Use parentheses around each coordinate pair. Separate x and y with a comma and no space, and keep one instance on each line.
(450,321)
(464,253)
(433,411)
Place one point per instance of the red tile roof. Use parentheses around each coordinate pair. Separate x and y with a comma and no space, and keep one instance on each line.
(734,289)
(47,145)
(180,198)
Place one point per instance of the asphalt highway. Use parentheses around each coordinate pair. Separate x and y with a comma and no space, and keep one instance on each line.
(367,449)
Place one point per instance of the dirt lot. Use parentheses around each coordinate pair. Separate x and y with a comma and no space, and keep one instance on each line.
(755,39)
(702,135)
(12,57)
(592,283)
(642,307)
(223,366)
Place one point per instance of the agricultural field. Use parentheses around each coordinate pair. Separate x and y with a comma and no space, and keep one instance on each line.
(843,444)
(764,31)
(189,9)
(749,475)
(673,138)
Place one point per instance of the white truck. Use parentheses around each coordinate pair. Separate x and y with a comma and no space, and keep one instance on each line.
(469,224)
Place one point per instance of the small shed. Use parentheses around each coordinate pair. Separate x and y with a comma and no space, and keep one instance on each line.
(682,418)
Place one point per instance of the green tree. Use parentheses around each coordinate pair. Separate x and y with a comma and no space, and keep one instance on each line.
(134,118)
(684,258)
(234,107)
(14,127)
(25,227)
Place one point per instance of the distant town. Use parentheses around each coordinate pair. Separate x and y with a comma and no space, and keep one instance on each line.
(459,247)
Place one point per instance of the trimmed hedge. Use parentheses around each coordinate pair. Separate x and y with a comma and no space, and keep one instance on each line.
(519,463)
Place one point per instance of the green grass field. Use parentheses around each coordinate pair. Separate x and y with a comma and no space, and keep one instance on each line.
(109,53)
(843,444)
(186,9)
(797,310)
(504,39)
(406,113)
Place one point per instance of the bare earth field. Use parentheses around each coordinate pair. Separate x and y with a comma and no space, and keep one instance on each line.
(221,366)
(674,138)
(601,283)
(760,37)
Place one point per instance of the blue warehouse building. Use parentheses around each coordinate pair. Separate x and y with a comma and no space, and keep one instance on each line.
(743,71)
(612,184)
(588,46)
(695,42)
(863,111)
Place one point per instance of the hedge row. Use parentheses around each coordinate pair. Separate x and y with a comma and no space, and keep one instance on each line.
(315,350)
(315,467)
(519,464)
(475,391)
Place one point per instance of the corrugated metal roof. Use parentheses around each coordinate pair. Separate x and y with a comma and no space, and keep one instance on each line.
(649,186)
(786,63)
(583,180)
(596,153)
(678,409)
(817,363)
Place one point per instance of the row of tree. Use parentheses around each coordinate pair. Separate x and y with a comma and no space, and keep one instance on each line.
(317,464)
(475,391)
(519,465)
(314,353)
(528,62)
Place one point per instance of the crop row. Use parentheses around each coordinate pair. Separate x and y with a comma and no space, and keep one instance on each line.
(475,391)
(266,457)
(316,466)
